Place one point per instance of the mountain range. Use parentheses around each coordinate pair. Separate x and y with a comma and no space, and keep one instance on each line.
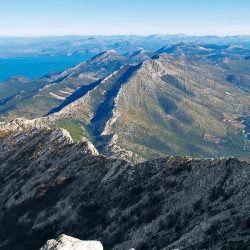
(184,99)
(82,45)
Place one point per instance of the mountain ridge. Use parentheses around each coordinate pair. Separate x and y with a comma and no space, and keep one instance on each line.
(169,104)
(163,72)
(57,186)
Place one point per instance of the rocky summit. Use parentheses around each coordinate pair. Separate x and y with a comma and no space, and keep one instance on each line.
(52,186)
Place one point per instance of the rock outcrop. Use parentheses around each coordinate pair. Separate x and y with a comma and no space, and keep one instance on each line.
(64,242)
(50,186)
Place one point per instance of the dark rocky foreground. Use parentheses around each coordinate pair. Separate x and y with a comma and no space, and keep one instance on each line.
(50,185)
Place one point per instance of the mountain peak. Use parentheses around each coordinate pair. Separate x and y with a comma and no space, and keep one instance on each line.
(105,54)
(111,51)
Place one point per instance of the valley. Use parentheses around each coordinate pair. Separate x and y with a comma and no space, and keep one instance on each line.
(184,99)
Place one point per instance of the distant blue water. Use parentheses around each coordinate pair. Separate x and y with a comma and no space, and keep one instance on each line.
(37,66)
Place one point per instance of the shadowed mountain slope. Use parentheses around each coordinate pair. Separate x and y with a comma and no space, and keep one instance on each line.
(51,186)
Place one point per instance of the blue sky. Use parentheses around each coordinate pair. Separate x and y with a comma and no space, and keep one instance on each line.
(111,17)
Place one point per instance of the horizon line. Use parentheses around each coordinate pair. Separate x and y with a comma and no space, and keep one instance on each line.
(114,35)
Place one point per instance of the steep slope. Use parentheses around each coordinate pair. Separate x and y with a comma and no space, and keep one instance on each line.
(51,90)
(164,106)
(87,116)
(174,105)
(51,186)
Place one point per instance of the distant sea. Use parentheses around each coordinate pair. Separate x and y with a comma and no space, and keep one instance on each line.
(37,66)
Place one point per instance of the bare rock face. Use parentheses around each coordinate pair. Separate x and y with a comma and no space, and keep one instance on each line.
(26,129)
(109,147)
(19,125)
(64,242)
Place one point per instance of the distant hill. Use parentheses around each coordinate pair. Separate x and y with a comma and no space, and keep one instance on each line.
(73,45)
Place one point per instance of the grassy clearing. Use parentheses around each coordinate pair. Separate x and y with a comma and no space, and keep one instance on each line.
(75,128)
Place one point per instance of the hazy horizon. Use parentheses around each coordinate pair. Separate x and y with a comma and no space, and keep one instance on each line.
(125,35)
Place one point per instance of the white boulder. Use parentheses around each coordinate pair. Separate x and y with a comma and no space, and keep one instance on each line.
(64,242)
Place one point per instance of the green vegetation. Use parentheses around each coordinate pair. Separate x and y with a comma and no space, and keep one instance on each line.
(75,128)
